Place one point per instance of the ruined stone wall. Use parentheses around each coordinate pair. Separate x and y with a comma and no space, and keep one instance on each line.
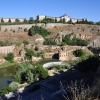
(6,49)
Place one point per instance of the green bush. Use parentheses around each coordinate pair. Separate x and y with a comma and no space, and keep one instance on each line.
(25,30)
(79,53)
(5,90)
(14,85)
(10,57)
(36,29)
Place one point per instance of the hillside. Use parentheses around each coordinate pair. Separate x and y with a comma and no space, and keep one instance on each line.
(89,32)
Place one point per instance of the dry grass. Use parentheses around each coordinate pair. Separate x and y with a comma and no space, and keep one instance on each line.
(80,92)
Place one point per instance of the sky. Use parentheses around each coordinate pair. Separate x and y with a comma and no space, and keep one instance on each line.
(31,8)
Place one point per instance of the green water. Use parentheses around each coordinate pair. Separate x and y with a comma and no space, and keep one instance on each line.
(8,71)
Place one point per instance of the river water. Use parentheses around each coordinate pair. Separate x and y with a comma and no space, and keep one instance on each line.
(5,82)
(11,70)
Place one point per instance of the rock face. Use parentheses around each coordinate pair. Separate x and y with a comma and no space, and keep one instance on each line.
(95,43)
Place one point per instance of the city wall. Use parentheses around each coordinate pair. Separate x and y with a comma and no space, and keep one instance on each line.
(28,26)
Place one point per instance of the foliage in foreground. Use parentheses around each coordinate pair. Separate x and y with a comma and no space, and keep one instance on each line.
(29,73)
(90,64)
(78,91)
(5,90)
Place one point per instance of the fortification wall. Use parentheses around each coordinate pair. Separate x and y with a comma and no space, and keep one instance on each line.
(16,27)
(28,26)
(50,25)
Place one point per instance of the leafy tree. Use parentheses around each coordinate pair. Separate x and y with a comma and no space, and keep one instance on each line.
(90,64)
(14,85)
(41,31)
(10,57)
(29,76)
(17,78)
(55,20)
(79,53)
(25,21)
(43,73)
(17,20)
(74,41)
(29,54)
(70,21)
(2,20)
(49,41)
(31,20)
(9,20)
(64,20)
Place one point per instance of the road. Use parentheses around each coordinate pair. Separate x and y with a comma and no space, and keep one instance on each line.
(52,85)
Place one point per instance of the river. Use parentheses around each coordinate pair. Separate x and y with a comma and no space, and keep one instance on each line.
(6,73)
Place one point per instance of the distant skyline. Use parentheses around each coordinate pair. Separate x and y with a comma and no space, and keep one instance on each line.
(31,8)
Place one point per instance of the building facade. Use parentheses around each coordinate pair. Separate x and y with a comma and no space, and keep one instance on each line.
(66,17)
(12,19)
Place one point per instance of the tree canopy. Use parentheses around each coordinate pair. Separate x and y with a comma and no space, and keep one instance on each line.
(41,31)
(74,41)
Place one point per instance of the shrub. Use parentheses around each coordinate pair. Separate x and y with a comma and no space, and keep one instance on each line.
(10,57)
(25,42)
(5,90)
(79,53)
(14,85)
(25,30)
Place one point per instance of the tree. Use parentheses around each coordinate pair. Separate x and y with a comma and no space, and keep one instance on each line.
(17,78)
(25,21)
(79,53)
(10,57)
(55,20)
(2,21)
(36,29)
(9,20)
(29,76)
(17,20)
(43,73)
(64,20)
(31,20)
(90,64)
(70,21)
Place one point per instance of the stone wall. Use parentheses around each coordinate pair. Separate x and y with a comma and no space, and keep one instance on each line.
(6,49)
(16,27)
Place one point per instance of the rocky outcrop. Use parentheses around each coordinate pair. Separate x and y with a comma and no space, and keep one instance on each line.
(95,43)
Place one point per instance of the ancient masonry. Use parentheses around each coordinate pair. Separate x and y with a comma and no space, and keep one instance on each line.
(6,49)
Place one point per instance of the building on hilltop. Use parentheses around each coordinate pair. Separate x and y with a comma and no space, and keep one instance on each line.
(66,17)
(11,19)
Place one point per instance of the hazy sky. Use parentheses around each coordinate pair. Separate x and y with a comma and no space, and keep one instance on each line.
(89,9)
